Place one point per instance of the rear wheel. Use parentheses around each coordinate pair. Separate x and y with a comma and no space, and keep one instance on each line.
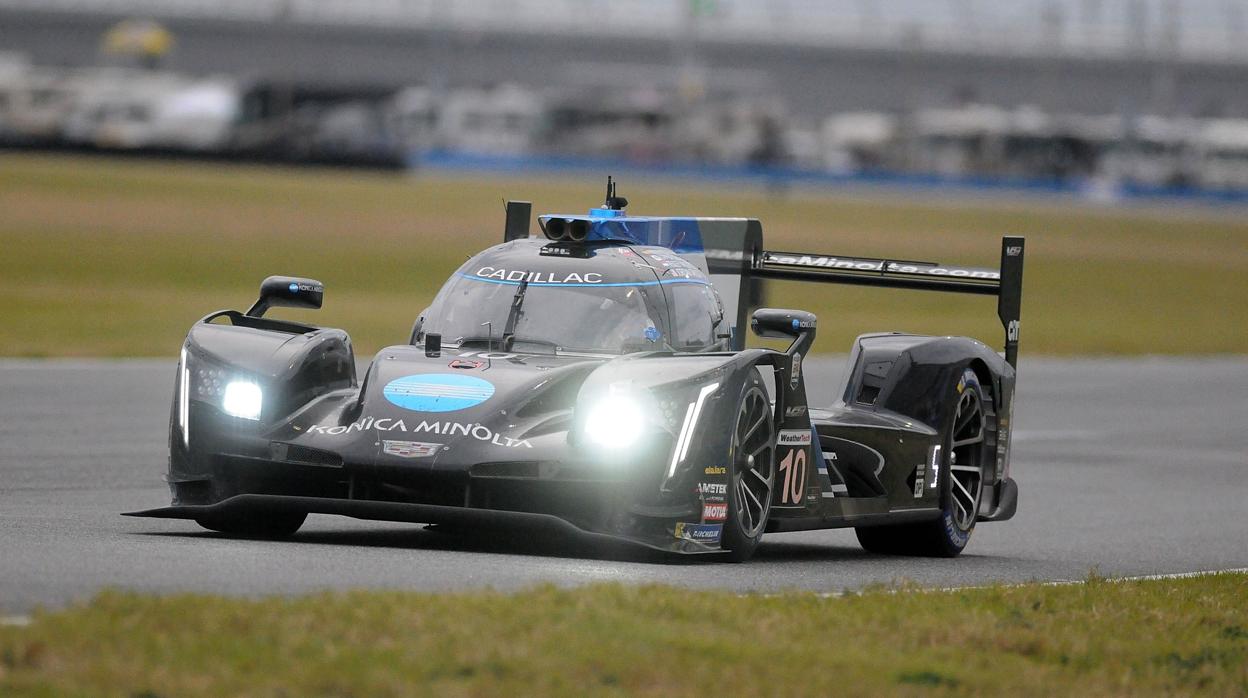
(752,471)
(254,525)
(965,454)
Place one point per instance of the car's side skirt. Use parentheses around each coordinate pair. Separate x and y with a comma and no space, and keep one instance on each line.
(778,525)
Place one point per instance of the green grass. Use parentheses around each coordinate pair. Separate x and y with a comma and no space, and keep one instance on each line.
(1099,638)
(112,257)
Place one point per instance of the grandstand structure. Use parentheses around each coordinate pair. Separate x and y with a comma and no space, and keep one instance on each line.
(1206,30)
(1143,94)
(816,57)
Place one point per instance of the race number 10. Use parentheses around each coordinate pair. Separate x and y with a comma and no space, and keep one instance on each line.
(793,467)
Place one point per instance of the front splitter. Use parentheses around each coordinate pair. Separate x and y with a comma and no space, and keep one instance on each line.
(243,504)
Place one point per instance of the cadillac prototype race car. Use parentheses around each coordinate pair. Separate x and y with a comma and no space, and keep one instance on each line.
(597,379)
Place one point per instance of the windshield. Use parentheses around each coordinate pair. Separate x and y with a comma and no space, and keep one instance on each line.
(598,319)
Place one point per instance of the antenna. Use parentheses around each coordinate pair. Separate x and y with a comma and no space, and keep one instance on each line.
(613,202)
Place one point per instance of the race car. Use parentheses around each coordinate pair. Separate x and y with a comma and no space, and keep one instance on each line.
(596,379)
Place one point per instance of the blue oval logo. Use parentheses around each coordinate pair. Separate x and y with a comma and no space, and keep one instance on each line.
(438,392)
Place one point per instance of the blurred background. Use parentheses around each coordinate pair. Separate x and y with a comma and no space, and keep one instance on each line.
(1110,97)
(878,124)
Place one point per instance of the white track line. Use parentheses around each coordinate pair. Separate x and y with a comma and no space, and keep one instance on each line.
(1057,582)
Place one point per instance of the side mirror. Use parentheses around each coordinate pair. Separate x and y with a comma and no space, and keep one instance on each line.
(776,323)
(288,292)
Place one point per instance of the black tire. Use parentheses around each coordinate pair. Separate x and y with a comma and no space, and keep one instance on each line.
(965,454)
(269,525)
(751,473)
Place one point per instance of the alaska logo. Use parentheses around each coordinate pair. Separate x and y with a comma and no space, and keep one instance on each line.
(438,392)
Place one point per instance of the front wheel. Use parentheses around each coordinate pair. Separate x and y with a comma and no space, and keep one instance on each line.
(965,454)
(254,525)
(752,471)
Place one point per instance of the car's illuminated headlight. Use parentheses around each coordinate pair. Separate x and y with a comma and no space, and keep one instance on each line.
(615,422)
(242,399)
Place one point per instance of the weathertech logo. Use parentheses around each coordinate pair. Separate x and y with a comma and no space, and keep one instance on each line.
(794,437)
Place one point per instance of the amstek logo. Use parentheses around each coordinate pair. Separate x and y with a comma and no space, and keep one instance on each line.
(390,425)
(539,277)
(712,488)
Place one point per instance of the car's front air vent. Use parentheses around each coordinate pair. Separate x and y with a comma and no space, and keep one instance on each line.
(868,394)
(510,469)
(294,453)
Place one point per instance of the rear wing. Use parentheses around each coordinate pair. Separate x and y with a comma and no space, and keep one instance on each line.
(1005,282)
(738,265)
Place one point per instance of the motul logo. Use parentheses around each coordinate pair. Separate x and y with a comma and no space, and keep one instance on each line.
(715,511)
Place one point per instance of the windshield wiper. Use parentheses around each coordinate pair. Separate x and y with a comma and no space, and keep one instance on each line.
(513,316)
(517,339)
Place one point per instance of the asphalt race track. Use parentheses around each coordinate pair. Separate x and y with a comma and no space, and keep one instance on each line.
(1125,466)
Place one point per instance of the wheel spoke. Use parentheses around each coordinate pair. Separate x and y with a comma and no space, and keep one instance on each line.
(762,480)
(966,492)
(965,515)
(743,509)
(753,428)
(752,496)
(753,511)
(978,438)
(963,419)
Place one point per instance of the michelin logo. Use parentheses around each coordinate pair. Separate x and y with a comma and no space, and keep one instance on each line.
(701,533)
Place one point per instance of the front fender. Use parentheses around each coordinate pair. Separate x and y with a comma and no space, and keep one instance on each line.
(691,398)
(293,365)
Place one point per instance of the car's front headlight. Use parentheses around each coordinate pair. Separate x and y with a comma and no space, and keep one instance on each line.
(242,399)
(615,422)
